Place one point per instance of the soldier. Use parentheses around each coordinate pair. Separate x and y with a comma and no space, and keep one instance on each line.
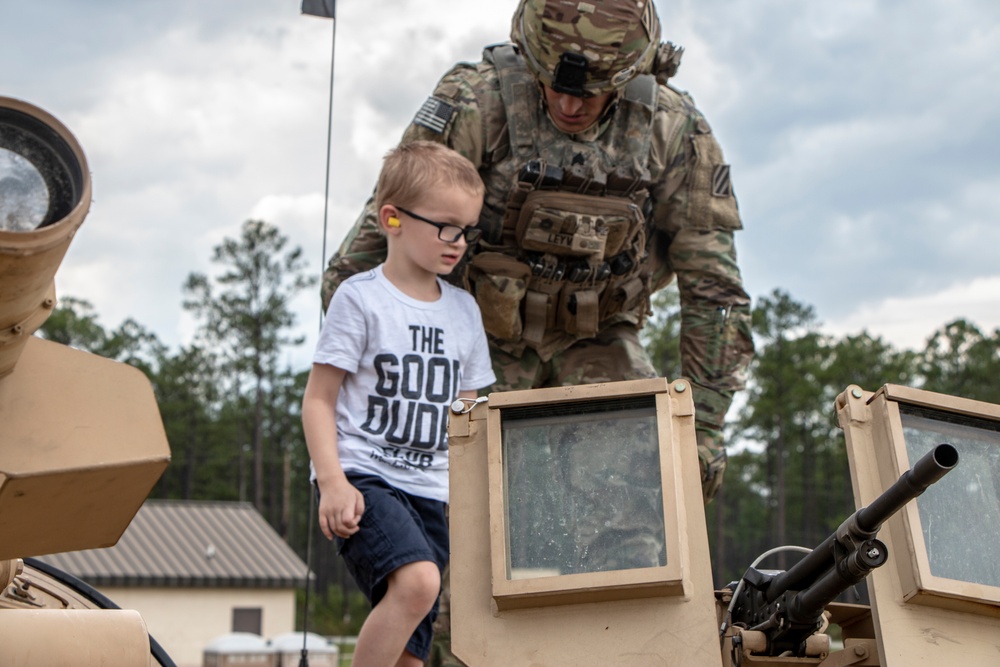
(603,185)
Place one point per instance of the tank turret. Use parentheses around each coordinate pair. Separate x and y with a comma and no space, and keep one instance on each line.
(81,438)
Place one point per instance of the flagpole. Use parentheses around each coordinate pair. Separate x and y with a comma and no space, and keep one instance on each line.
(325,8)
(329,141)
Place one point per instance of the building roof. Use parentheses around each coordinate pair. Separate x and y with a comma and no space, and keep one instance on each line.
(190,543)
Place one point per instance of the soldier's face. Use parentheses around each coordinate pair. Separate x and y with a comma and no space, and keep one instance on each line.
(574,114)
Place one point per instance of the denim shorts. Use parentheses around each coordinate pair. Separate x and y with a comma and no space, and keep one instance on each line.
(396,528)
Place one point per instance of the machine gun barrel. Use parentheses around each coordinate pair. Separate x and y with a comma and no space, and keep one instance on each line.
(863,525)
(929,469)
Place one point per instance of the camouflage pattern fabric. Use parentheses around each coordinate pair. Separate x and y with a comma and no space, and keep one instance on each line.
(621,38)
(615,353)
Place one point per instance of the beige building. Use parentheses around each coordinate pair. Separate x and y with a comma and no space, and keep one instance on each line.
(196,570)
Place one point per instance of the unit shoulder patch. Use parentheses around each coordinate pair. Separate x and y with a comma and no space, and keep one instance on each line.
(434,115)
(722,186)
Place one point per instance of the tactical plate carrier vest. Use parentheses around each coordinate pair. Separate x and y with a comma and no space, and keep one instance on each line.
(567,255)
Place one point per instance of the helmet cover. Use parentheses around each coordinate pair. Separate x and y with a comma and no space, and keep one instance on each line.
(587,48)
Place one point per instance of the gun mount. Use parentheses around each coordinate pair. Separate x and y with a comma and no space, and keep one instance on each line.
(787,608)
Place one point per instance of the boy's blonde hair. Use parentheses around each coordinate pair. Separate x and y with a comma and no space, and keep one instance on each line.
(412,167)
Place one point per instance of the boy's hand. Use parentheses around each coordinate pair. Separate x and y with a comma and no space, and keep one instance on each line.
(340,508)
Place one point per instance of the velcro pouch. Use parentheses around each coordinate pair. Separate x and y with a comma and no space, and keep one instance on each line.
(622,295)
(576,225)
(500,282)
(579,310)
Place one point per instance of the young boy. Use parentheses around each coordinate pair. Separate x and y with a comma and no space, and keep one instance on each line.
(398,346)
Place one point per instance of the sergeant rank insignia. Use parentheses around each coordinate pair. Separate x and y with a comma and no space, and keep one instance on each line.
(434,115)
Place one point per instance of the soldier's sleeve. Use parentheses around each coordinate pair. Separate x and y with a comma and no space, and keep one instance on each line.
(363,248)
(696,216)
(451,115)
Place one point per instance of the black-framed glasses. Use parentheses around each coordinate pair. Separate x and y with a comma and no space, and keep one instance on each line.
(448,232)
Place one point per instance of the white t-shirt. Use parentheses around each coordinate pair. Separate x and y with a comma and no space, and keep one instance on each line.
(406,362)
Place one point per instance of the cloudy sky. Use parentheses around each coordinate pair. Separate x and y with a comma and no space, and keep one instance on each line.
(863,137)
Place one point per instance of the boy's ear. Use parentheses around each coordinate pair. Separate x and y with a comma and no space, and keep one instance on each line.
(389,217)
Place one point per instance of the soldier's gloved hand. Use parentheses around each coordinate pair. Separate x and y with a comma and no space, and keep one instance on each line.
(712,457)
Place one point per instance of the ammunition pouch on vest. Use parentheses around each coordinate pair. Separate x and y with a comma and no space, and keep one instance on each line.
(573,250)
(574,225)
(578,262)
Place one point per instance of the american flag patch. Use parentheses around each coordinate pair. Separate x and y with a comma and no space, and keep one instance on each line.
(434,115)
(721,185)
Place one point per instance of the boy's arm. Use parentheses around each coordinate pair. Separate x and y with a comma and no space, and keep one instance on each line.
(340,504)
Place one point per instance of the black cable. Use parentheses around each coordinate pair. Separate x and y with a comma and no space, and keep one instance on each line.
(329,142)
(304,660)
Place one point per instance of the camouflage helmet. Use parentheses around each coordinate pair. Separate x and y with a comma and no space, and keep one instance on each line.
(587,48)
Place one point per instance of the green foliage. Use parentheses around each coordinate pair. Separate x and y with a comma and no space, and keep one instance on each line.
(662,334)
(230,411)
(248,318)
(73,322)
(201,437)
(960,359)
(737,516)
(334,613)
(245,315)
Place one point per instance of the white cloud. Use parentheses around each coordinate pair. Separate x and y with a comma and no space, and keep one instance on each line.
(908,322)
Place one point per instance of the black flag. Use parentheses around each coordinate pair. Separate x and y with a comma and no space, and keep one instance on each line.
(324,8)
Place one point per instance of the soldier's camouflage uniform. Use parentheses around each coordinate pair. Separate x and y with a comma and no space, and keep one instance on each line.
(557,318)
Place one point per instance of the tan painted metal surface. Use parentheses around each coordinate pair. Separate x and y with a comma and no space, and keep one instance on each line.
(110,638)
(82,445)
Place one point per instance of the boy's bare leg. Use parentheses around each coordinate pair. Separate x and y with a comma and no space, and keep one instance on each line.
(409,660)
(412,591)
